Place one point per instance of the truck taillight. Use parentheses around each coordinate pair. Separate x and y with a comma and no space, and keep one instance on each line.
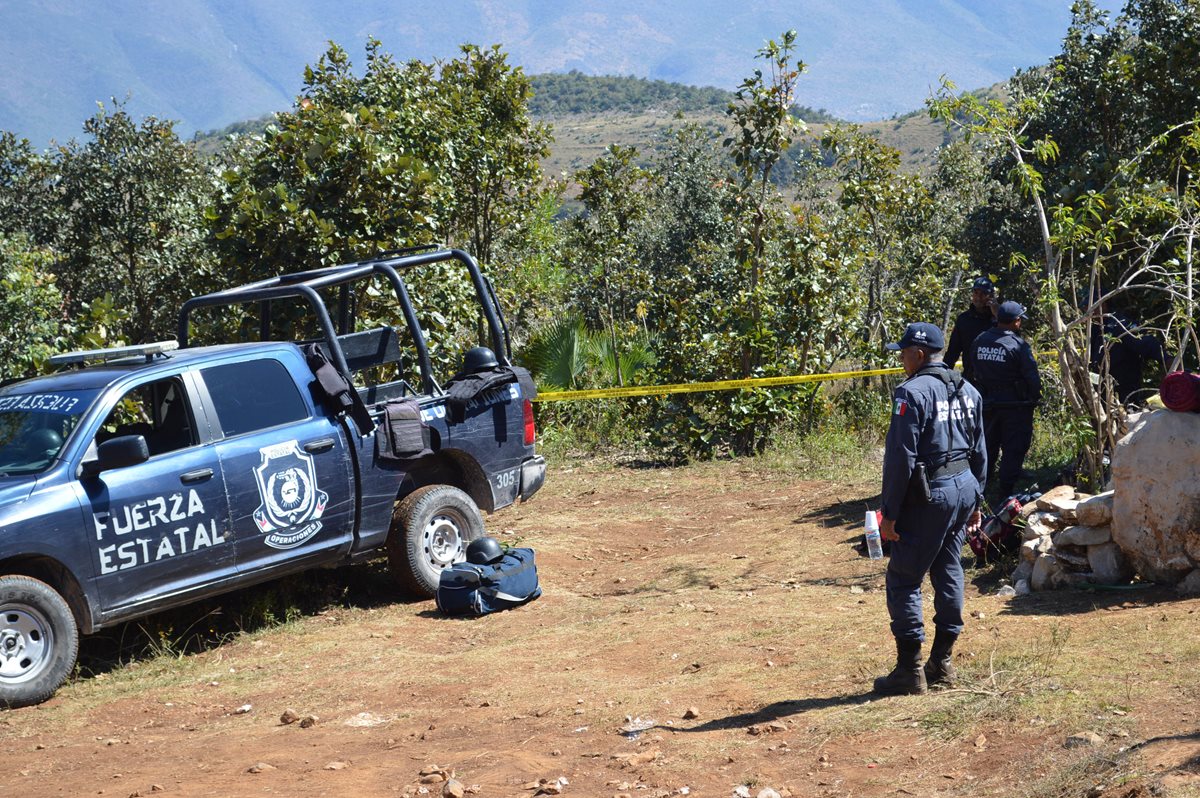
(530,429)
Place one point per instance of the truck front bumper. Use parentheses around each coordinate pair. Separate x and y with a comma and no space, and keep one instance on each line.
(533,474)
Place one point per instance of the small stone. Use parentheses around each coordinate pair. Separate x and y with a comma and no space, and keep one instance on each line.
(1047,499)
(243,709)
(308,721)
(767,792)
(1024,570)
(1096,511)
(337,765)
(436,777)
(741,791)
(691,713)
(156,788)
(1109,564)
(1022,587)
(856,589)
(1083,740)
(1045,569)
(260,767)
(453,788)
(1079,535)
(1008,591)
(289,716)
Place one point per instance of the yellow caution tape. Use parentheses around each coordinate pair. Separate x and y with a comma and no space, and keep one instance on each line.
(721,385)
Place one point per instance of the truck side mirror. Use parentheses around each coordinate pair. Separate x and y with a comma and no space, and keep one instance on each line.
(124,450)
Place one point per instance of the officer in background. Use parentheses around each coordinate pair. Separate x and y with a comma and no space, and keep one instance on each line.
(1128,353)
(1007,376)
(934,467)
(979,317)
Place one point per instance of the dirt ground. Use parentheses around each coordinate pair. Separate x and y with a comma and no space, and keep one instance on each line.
(725,591)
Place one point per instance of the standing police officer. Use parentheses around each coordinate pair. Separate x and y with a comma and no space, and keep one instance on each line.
(1007,376)
(934,466)
(979,317)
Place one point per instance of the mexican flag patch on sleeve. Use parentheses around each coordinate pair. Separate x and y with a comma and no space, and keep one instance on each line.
(900,407)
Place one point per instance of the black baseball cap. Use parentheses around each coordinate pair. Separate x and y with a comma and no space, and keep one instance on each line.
(983,284)
(1010,311)
(920,333)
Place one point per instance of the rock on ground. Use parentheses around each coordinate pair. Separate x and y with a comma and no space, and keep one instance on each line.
(1096,511)
(1108,564)
(1046,500)
(1080,535)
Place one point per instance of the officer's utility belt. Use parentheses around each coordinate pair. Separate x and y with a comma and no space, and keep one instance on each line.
(919,489)
(949,469)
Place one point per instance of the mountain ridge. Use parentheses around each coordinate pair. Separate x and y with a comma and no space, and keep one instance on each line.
(208,63)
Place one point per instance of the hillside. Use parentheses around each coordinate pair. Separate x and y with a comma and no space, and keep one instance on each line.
(638,112)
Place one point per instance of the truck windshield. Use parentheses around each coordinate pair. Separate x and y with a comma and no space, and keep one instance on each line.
(35,426)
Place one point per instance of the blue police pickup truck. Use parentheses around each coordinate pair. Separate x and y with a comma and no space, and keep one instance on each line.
(142,478)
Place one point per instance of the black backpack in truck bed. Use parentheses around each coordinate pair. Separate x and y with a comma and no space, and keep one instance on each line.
(470,589)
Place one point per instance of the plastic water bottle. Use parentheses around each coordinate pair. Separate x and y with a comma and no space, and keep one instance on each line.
(874,542)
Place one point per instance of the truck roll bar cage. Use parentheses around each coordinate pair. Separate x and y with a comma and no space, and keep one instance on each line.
(303,285)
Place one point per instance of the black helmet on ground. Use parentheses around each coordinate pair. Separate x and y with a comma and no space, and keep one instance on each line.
(479,358)
(482,551)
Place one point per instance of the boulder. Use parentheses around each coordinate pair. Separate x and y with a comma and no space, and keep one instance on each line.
(1108,564)
(1046,500)
(1156,504)
(1096,511)
(1083,536)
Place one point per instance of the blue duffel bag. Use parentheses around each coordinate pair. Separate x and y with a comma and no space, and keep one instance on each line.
(467,588)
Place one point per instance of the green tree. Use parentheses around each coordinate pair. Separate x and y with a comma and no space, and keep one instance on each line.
(341,177)
(131,203)
(611,286)
(494,149)
(30,308)
(764,130)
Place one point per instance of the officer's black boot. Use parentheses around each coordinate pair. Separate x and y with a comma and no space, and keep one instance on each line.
(939,670)
(907,678)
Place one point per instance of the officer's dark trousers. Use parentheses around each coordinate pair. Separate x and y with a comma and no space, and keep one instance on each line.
(1007,430)
(931,540)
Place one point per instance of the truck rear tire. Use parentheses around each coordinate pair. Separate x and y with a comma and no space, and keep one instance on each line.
(431,528)
(39,641)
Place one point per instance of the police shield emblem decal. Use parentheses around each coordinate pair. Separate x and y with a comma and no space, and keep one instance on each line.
(292,503)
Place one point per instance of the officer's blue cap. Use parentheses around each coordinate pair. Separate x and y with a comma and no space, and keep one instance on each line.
(983,284)
(1010,311)
(920,333)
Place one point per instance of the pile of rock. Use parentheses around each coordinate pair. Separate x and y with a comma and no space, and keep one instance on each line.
(1068,541)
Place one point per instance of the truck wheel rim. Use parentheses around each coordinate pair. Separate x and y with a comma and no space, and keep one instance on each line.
(26,641)
(443,541)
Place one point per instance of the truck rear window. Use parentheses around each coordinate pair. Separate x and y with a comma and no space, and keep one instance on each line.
(253,395)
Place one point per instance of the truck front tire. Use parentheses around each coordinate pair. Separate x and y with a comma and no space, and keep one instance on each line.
(431,528)
(39,641)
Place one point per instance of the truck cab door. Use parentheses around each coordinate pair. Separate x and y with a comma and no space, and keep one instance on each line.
(286,467)
(160,527)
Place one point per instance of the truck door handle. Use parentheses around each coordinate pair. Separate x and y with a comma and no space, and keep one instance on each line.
(199,475)
(319,445)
